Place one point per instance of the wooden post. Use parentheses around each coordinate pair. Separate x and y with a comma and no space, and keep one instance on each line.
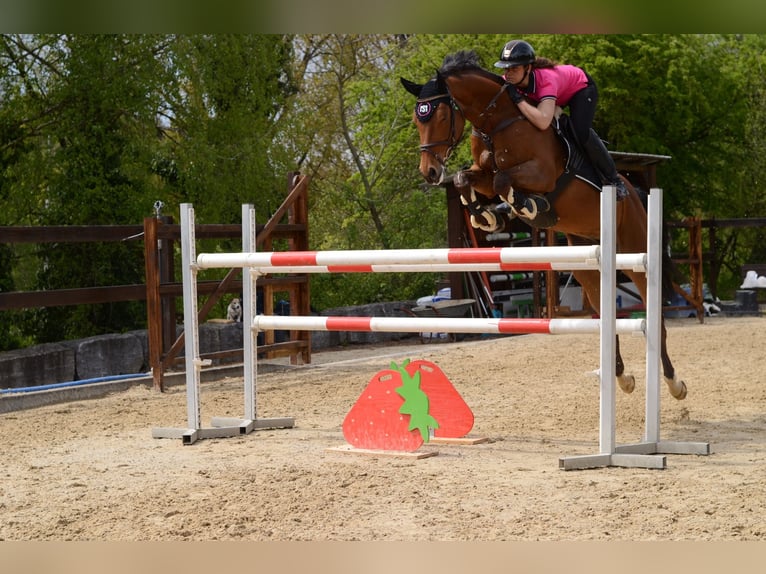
(551,281)
(153,302)
(300,295)
(695,266)
(455,223)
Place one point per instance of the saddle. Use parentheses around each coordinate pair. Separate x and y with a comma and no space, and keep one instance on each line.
(576,165)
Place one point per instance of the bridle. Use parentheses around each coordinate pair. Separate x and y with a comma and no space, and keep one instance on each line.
(473,205)
(454,138)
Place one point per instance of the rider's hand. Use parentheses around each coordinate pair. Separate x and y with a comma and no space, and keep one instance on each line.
(514,93)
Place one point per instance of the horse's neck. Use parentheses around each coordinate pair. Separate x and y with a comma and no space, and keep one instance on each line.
(484,107)
(490,111)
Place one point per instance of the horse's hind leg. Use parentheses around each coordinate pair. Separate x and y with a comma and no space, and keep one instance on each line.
(676,387)
(590,281)
(627,382)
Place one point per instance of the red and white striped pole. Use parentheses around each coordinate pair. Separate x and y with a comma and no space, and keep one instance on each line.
(421,260)
(442,324)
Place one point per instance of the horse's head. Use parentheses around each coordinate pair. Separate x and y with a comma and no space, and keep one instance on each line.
(440,124)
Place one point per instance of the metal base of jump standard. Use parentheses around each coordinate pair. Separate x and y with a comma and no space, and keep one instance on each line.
(221,427)
(650,453)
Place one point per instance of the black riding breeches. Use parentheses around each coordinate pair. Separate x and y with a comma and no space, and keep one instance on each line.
(582,109)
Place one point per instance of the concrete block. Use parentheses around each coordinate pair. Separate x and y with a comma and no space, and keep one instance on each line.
(143,337)
(39,365)
(747,299)
(326,339)
(104,355)
(209,339)
(231,336)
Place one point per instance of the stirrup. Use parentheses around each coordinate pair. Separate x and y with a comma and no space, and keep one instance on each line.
(621,192)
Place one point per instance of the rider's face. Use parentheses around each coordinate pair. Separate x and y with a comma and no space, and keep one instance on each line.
(514,74)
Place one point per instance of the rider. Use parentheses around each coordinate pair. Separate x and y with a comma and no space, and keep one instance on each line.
(549,84)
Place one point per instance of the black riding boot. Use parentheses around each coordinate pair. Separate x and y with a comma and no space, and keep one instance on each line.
(604,164)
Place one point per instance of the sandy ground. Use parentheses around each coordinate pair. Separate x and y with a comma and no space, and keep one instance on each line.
(91,470)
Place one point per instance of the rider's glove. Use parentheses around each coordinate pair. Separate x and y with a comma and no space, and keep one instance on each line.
(514,93)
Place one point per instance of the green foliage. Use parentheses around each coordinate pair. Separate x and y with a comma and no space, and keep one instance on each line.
(696,98)
(220,150)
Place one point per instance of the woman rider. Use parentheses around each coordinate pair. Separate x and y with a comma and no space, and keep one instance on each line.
(548,85)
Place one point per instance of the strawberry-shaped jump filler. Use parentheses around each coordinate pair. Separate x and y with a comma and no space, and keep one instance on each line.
(391,413)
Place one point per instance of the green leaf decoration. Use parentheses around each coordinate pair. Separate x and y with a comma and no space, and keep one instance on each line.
(415,402)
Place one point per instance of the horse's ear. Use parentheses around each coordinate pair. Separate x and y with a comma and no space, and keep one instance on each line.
(411,87)
(441,84)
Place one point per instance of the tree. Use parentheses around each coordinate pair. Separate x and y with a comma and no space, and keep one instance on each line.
(79,113)
(696,98)
(360,154)
(221,143)
(96,128)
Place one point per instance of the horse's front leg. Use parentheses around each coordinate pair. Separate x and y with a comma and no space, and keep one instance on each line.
(475,178)
(530,206)
(468,183)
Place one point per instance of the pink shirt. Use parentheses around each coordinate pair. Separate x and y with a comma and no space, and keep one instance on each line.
(560,83)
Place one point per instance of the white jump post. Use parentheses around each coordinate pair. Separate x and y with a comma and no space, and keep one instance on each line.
(220,426)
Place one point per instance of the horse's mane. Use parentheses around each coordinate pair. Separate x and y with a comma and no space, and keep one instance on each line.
(466,61)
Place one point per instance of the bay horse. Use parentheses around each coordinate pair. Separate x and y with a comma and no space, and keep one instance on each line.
(527,168)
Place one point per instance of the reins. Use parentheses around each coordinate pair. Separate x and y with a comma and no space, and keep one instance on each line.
(487,137)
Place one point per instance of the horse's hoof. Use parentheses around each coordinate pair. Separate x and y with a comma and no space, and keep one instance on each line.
(504,208)
(528,211)
(677,388)
(627,383)
(490,227)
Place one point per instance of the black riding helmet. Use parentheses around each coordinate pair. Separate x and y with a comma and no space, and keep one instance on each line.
(516,53)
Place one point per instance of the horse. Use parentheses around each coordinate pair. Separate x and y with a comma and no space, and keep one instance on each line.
(530,171)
